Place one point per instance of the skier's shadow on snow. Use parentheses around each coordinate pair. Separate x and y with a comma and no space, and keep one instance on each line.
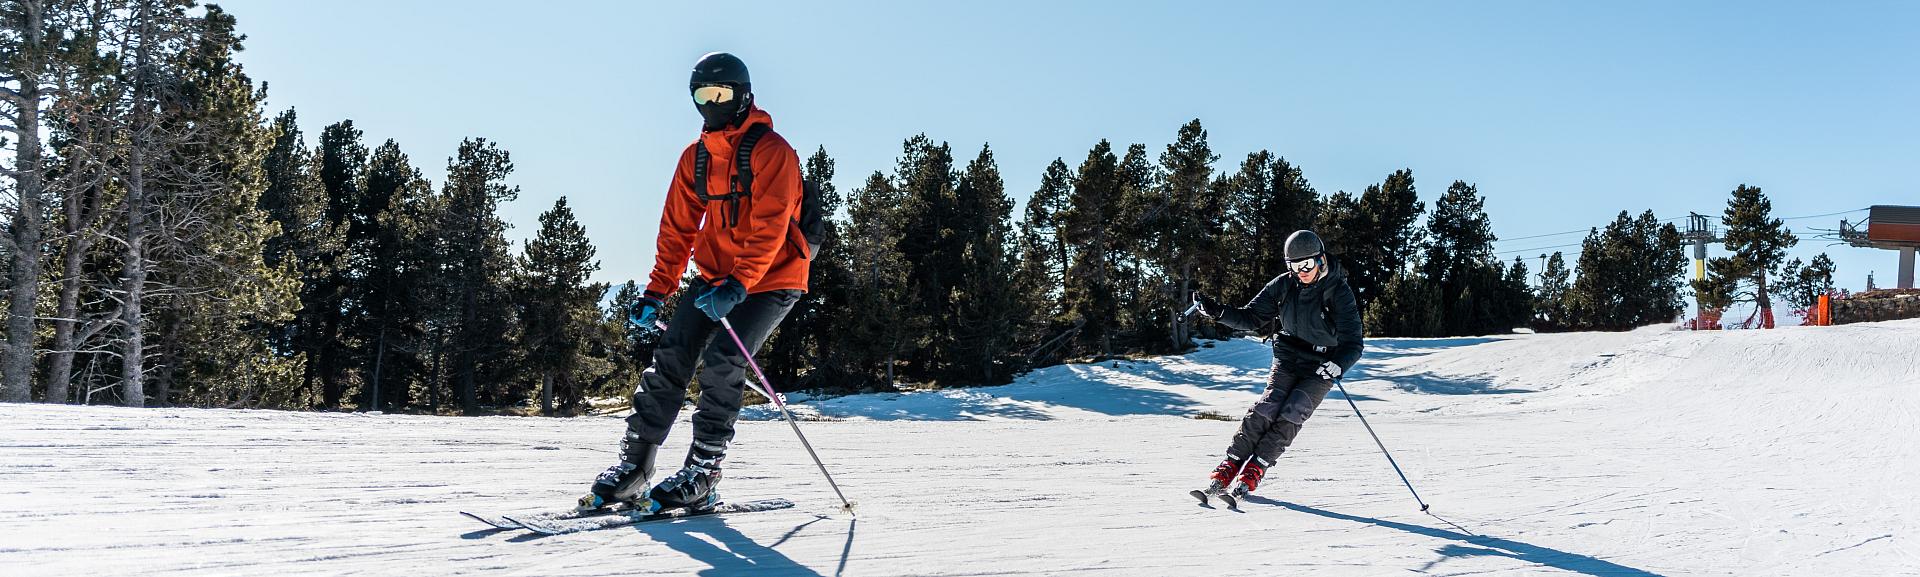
(735,553)
(1484,545)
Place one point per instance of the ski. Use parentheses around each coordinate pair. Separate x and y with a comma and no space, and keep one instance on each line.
(495,522)
(1233,501)
(506,522)
(1201,494)
(607,519)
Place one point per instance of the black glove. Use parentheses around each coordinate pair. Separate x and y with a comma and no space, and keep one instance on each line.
(721,298)
(1208,306)
(645,317)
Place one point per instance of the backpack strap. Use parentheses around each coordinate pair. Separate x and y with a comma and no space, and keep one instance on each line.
(742,184)
(701,158)
(743,159)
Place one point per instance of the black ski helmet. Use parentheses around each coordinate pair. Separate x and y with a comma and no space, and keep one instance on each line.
(722,69)
(1304,244)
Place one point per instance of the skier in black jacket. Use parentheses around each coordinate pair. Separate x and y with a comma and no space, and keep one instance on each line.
(1318,340)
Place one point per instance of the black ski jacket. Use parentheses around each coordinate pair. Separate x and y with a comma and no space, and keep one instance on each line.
(1319,322)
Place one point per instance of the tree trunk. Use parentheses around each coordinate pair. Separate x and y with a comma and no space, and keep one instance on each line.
(433,379)
(16,368)
(379,355)
(330,387)
(1765,301)
(67,312)
(890,384)
(546,394)
(161,380)
(134,259)
(1179,331)
(308,370)
(134,279)
(469,398)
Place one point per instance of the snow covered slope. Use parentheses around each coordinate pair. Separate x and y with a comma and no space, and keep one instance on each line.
(1785,452)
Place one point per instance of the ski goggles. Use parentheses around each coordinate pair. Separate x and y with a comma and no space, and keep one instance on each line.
(712,93)
(1303,266)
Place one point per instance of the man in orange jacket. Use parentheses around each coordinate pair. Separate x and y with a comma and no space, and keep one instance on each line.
(752,264)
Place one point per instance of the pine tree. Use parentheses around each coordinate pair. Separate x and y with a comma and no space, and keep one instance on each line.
(155,33)
(1043,256)
(1251,226)
(215,299)
(306,246)
(1268,200)
(1190,220)
(984,306)
(1144,293)
(1550,309)
(1802,284)
(84,140)
(1086,227)
(342,169)
(1344,231)
(1459,260)
(1759,245)
(874,328)
(30,58)
(1374,237)
(1629,275)
(629,353)
(1391,210)
(391,262)
(559,308)
(800,339)
(1409,305)
(1038,282)
(925,177)
(1296,204)
(1518,298)
(476,269)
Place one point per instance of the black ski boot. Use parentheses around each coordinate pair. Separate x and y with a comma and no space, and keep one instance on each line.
(626,481)
(694,487)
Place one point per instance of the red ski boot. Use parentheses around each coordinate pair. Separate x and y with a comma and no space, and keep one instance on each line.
(1250,478)
(1218,481)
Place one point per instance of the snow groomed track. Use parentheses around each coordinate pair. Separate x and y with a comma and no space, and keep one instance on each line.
(1785,452)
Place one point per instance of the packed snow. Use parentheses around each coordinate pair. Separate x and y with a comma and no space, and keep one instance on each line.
(1652,452)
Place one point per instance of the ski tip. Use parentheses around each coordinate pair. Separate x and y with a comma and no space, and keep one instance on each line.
(490,522)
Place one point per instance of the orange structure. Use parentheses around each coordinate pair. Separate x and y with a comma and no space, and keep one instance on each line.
(1822,313)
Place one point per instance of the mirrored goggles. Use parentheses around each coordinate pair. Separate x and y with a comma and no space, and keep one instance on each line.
(712,93)
(1304,266)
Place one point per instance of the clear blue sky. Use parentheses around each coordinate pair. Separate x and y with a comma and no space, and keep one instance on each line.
(1563,113)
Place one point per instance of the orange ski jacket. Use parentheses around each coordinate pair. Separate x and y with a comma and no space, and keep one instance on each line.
(760,247)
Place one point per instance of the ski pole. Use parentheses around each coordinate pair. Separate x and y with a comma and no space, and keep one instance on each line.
(766,388)
(1383,446)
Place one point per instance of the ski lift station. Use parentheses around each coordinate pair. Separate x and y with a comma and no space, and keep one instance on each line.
(1891,228)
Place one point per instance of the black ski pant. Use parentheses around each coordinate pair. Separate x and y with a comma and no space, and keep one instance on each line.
(1273,422)
(693,337)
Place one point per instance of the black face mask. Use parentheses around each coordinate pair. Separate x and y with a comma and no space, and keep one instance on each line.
(718,115)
